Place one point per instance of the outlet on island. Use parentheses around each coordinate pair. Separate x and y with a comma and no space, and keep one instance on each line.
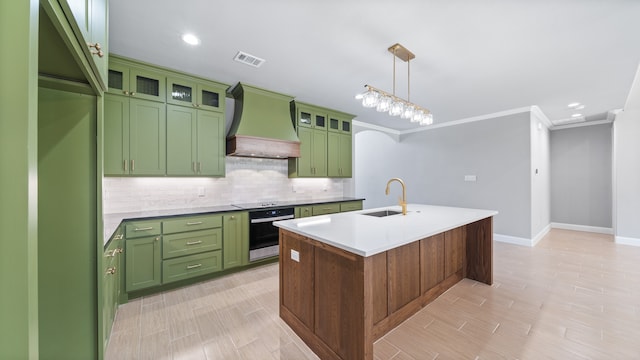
(201,191)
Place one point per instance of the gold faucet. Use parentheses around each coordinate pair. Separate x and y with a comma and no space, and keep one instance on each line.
(403,199)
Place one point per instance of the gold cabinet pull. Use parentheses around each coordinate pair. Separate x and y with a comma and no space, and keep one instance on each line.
(144,228)
(133,165)
(110,253)
(125,92)
(189,267)
(233,217)
(133,93)
(111,271)
(194,166)
(157,238)
(194,242)
(194,223)
(96,46)
(124,165)
(119,250)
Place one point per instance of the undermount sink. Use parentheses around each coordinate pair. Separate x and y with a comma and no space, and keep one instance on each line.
(383,213)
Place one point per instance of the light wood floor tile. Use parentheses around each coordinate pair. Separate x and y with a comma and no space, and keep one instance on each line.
(575,295)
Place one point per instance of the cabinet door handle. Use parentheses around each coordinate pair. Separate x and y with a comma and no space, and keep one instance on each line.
(144,228)
(157,238)
(124,165)
(193,165)
(110,253)
(193,266)
(119,250)
(194,223)
(133,93)
(133,165)
(233,217)
(199,167)
(125,92)
(326,209)
(111,271)
(194,242)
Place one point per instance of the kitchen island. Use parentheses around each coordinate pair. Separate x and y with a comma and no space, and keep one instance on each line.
(347,279)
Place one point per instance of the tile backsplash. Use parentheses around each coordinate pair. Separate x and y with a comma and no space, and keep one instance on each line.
(247,180)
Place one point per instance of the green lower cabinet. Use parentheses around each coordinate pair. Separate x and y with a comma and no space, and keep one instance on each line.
(302,211)
(190,266)
(111,283)
(142,263)
(325,209)
(192,242)
(351,206)
(235,240)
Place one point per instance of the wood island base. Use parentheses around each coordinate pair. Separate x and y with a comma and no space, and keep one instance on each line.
(340,303)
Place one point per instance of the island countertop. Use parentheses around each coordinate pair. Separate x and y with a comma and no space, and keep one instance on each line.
(367,235)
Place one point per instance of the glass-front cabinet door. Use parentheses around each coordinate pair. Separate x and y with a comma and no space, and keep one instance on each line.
(339,124)
(203,96)
(134,82)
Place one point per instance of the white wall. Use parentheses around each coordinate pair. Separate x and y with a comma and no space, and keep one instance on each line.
(433,164)
(540,178)
(581,178)
(626,152)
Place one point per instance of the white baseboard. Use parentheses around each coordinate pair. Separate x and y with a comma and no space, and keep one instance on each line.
(513,240)
(593,229)
(540,235)
(627,241)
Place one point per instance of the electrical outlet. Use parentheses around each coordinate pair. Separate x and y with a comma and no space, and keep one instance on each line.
(201,191)
(295,256)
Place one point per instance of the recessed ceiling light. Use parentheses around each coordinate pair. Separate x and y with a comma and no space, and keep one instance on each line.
(576,115)
(573,105)
(190,39)
(579,107)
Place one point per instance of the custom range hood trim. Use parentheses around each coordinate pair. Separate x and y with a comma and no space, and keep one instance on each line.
(262,125)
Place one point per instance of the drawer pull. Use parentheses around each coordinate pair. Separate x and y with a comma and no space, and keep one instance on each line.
(144,228)
(110,253)
(194,223)
(111,271)
(189,267)
(194,242)
(118,250)
(328,209)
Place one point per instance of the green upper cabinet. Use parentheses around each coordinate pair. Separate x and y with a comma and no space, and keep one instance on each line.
(136,82)
(195,142)
(313,154)
(325,142)
(197,94)
(88,20)
(235,239)
(339,155)
(310,116)
(340,123)
(135,136)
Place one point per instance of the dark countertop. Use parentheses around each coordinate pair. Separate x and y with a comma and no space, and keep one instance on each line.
(112,221)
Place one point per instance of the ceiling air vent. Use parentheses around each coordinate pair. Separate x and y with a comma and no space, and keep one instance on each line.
(248,59)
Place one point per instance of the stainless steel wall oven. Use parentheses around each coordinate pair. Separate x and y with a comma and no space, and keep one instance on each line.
(263,236)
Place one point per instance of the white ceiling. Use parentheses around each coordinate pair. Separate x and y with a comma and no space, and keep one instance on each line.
(473,57)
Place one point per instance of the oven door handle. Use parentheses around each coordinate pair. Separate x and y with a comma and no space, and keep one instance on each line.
(270,219)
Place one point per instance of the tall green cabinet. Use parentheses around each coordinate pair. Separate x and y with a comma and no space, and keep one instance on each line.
(325,142)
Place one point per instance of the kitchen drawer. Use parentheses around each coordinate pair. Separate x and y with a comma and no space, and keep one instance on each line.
(191,266)
(191,242)
(135,229)
(303,211)
(326,209)
(351,206)
(189,223)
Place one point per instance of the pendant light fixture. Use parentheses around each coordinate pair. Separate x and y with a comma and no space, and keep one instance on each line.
(382,101)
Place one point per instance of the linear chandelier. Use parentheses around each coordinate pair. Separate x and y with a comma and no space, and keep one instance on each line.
(382,101)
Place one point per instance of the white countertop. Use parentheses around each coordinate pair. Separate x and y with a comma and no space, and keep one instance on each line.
(366,235)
